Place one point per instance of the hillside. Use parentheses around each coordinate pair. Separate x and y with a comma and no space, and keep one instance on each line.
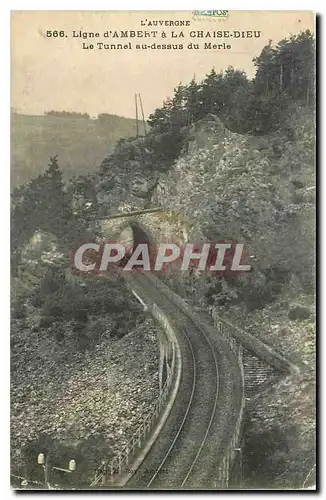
(259,190)
(80,143)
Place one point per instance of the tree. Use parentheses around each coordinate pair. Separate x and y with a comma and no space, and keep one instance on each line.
(267,65)
(160,119)
(44,204)
(193,101)
(288,68)
(213,93)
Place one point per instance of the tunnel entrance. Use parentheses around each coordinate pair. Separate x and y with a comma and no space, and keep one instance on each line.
(132,236)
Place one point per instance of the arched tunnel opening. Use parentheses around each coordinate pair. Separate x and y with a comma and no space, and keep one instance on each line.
(132,236)
(140,235)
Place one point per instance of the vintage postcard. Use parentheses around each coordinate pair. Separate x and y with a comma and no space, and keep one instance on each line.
(163,193)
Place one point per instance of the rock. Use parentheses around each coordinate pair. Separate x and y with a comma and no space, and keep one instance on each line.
(298,311)
(290,134)
(277,151)
(275,167)
(298,183)
(259,143)
(310,196)
(210,117)
(139,186)
(298,197)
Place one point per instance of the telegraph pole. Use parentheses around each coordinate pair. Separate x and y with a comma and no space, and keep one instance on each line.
(142,112)
(137,125)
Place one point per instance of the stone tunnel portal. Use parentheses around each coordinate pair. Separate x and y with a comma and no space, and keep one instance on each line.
(131,236)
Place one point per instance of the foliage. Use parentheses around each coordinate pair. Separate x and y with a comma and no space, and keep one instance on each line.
(261,114)
(288,68)
(283,73)
(45,204)
(77,302)
(156,151)
(40,204)
(69,114)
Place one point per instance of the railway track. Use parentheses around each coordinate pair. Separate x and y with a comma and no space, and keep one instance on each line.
(197,432)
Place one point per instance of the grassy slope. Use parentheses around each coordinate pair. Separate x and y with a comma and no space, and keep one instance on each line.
(81,144)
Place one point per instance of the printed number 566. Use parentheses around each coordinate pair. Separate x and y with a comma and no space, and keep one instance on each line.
(55,33)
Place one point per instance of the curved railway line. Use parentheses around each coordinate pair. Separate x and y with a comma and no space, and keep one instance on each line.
(198,429)
(190,440)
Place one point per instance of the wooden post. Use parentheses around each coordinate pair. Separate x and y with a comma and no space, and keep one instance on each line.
(47,471)
(227,465)
(240,473)
(137,125)
(308,95)
(142,112)
(292,75)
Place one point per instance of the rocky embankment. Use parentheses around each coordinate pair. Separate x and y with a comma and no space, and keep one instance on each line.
(86,404)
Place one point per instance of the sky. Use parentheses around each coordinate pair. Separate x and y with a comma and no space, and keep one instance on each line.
(57,73)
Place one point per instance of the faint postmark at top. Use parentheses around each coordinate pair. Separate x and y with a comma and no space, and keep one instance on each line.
(212,15)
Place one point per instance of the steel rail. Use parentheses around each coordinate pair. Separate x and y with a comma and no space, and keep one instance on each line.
(167,303)
(215,399)
(153,281)
(184,418)
(213,412)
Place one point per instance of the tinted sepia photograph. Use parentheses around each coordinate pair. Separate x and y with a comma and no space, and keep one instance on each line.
(163,250)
